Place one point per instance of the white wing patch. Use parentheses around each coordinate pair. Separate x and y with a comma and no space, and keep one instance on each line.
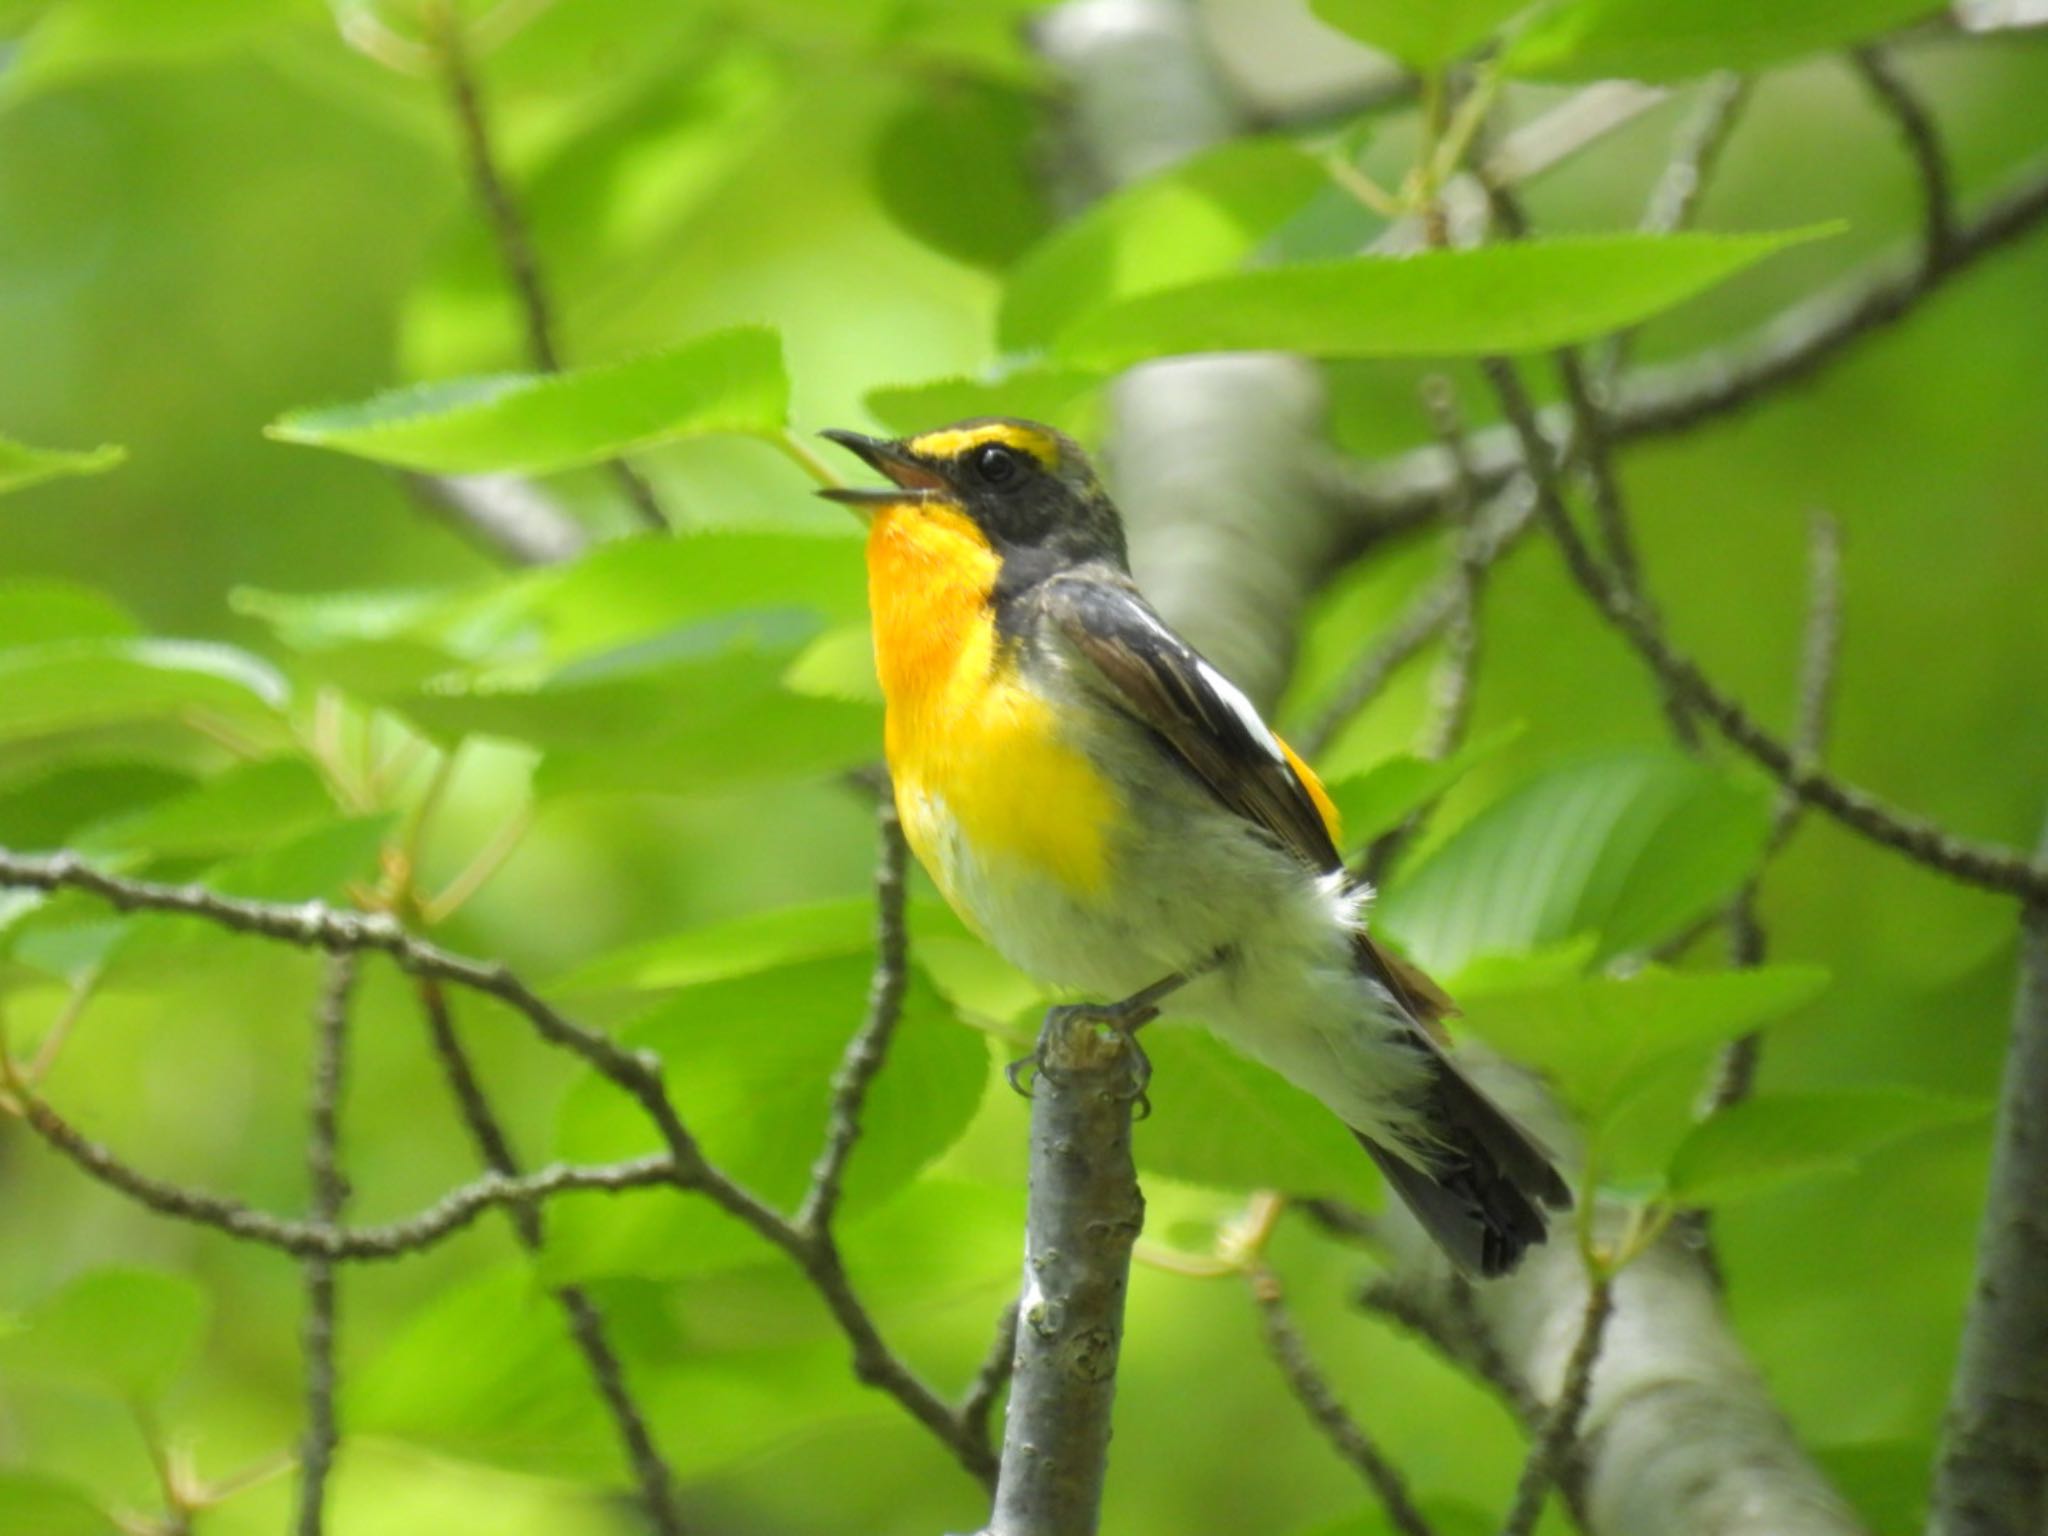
(1242,707)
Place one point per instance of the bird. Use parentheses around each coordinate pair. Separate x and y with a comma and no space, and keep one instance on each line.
(1107,809)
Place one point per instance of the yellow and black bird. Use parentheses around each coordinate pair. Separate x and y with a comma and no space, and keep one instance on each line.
(1106,808)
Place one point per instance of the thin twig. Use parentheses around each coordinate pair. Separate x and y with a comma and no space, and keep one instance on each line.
(1923,841)
(978,1405)
(330,1194)
(1877,69)
(509,230)
(1553,1445)
(1411,489)
(869,1048)
(1312,1389)
(508,516)
(586,1322)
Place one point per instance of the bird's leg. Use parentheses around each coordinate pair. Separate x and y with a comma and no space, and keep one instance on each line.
(1126,1017)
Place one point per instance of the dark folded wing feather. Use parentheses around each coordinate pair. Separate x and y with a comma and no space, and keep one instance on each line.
(1161,679)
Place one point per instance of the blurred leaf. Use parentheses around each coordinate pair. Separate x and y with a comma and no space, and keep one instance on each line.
(1762,1143)
(1599,1038)
(81,37)
(21,465)
(127,1331)
(730,381)
(1671,39)
(1225,1121)
(954,167)
(1629,846)
(1885,1480)
(1202,217)
(1423,34)
(839,664)
(42,1506)
(47,809)
(1524,297)
(1381,797)
(1051,395)
(37,612)
(750,1061)
(249,805)
(71,685)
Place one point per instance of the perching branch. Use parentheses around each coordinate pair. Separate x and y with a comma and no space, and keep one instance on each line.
(330,1193)
(509,231)
(1992,1476)
(1084,1217)
(585,1321)
(1312,1388)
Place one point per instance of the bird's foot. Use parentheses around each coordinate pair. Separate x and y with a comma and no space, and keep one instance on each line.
(1124,1018)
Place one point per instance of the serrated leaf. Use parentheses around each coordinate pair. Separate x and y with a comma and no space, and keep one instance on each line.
(954,167)
(1380,798)
(1628,846)
(22,466)
(1223,1120)
(750,1061)
(43,1506)
(1662,40)
(1203,216)
(126,1331)
(1598,1038)
(1528,296)
(1423,34)
(730,381)
(1778,1139)
(73,685)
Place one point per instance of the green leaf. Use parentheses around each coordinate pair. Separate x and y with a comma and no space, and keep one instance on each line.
(1600,1038)
(1202,217)
(73,685)
(1664,40)
(247,807)
(1423,34)
(1380,798)
(83,37)
(954,168)
(1222,1120)
(1529,296)
(42,1506)
(1051,395)
(126,1331)
(1629,847)
(22,466)
(37,612)
(750,1061)
(730,381)
(1763,1143)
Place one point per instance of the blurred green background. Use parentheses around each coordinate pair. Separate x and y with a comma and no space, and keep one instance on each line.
(208,220)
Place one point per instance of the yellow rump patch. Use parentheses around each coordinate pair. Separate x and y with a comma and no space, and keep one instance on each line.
(1325,806)
(951,442)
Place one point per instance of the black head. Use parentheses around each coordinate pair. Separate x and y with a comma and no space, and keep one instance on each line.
(1029,489)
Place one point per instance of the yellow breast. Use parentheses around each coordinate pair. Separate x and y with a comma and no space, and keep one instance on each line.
(977,756)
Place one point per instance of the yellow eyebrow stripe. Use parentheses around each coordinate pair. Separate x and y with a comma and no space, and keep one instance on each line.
(954,441)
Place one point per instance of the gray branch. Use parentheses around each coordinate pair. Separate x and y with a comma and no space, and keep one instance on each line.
(1084,1217)
(1992,1479)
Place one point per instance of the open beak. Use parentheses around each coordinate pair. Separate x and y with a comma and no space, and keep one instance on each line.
(913,480)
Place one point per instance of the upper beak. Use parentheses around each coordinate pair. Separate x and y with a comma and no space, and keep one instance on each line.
(914,480)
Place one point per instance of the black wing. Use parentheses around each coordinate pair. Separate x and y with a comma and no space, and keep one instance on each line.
(1161,679)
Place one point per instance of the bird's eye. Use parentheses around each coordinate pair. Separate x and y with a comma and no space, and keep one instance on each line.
(996,465)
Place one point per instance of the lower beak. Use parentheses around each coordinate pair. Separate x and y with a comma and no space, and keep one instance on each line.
(914,481)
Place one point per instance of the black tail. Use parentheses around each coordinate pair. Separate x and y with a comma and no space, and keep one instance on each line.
(1481,1182)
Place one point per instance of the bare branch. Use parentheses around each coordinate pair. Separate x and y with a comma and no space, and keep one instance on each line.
(1412,488)
(586,1322)
(1676,197)
(1924,842)
(1312,1389)
(507,516)
(509,229)
(977,1408)
(330,1193)
(1992,1476)
(1085,1214)
(1553,1446)
(1916,126)
(869,1047)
